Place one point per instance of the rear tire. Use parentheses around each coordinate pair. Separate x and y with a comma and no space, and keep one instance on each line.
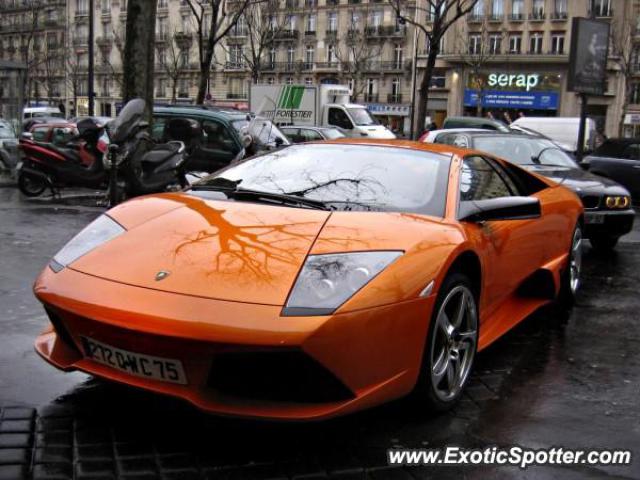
(450,347)
(604,243)
(31,185)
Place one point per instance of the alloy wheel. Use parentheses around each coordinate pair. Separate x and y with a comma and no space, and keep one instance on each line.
(575,262)
(453,343)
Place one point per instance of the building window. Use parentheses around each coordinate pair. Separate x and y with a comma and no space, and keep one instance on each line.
(372,90)
(82,7)
(515,43)
(311,24)
(497,9)
(560,8)
(308,81)
(478,10)
(309,57)
(495,44)
(538,9)
(236,56)
(602,8)
(375,19)
(332,22)
(396,95)
(557,43)
(517,9)
(475,44)
(105,6)
(291,54)
(535,43)
(635,93)
(398,56)
(289,81)
(331,54)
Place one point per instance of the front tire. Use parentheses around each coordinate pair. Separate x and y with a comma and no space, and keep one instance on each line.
(604,243)
(571,276)
(450,347)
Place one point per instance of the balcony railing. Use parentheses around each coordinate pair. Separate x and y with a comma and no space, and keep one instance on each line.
(309,33)
(537,16)
(371,97)
(394,98)
(238,32)
(603,11)
(331,34)
(559,16)
(516,17)
(475,18)
(496,17)
(236,96)
(384,31)
(287,35)
(328,65)
(235,66)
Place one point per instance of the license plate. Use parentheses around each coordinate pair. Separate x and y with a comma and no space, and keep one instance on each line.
(145,366)
(596,218)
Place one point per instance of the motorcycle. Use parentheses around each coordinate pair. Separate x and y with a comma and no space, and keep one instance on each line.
(137,165)
(79,163)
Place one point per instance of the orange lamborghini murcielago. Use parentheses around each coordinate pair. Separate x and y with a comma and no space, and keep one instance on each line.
(315,280)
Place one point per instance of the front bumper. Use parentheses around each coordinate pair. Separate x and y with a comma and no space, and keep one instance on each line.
(359,359)
(609,222)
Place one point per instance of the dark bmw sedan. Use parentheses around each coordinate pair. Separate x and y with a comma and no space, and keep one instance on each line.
(607,204)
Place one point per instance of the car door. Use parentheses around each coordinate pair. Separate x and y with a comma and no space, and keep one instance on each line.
(513,248)
(310,135)
(217,148)
(624,167)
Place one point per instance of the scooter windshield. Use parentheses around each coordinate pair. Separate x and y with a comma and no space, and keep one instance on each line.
(127,120)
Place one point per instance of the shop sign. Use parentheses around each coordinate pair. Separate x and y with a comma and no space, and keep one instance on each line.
(502,99)
(383,109)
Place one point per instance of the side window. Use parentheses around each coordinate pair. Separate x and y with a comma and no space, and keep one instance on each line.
(216,136)
(40,134)
(62,135)
(632,152)
(293,134)
(480,181)
(504,174)
(310,135)
(339,118)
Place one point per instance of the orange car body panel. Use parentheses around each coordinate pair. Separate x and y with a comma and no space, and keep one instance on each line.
(233,264)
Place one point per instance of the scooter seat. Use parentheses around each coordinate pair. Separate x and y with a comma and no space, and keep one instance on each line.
(159,154)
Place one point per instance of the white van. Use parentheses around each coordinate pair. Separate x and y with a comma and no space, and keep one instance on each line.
(35,112)
(562,130)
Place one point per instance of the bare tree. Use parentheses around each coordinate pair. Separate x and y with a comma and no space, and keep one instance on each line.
(626,57)
(477,48)
(263,27)
(138,66)
(171,58)
(29,55)
(358,53)
(213,19)
(75,70)
(432,18)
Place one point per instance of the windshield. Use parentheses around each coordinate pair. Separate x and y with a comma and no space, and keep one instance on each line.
(348,177)
(333,133)
(362,117)
(261,130)
(524,151)
(126,120)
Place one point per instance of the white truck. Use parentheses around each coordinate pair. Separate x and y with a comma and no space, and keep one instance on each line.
(317,106)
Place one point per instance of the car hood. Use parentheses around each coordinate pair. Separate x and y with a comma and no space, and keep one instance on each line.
(579,180)
(226,250)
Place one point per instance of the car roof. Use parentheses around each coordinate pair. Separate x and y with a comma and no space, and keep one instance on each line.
(409,144)
(202,112)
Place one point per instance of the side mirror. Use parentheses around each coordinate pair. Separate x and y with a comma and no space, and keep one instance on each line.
(26,136)
(503,208)
(246,141)
(279,141)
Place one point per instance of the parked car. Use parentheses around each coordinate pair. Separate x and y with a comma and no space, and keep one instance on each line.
(618,159)
(315,281)
(301,134)
(475,122)
(8,146)
(27,124)
(98,119)
(38,112)
(607,204)
(562,130)
(217,135)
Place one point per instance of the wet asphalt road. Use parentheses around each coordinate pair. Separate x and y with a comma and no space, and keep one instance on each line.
(554,381)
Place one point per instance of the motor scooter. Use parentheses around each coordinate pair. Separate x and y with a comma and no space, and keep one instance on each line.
(79,163)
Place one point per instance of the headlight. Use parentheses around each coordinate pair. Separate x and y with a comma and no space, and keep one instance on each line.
(617,202)
(327,281)
(101,230)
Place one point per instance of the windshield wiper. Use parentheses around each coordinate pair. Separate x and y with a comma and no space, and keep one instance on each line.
(231,190)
